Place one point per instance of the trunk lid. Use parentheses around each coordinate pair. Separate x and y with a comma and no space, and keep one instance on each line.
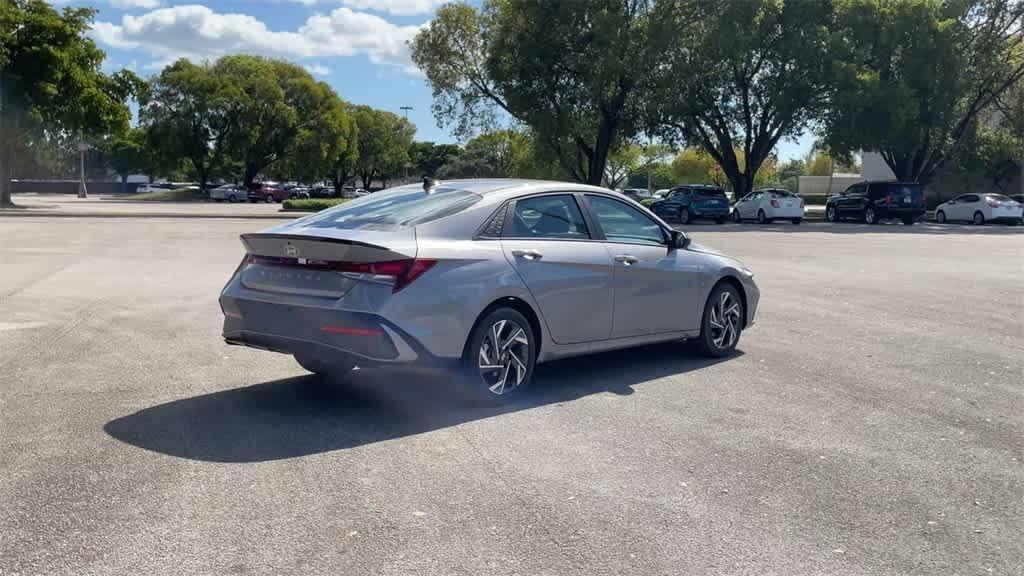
(323,262)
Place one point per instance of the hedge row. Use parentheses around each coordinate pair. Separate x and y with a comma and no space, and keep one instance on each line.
(312,204)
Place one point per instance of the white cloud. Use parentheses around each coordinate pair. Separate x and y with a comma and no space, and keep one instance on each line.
(199,33)
(126,4)
(317,69)
(397,7)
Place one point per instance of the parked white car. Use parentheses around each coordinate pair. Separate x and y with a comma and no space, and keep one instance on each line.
(979,209)
(769,204)
(154,187)
(229,192)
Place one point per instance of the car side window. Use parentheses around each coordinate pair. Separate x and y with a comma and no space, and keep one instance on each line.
(554,216)
(970,199)
(624,224)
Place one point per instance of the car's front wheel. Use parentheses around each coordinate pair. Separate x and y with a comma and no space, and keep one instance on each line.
(269,199)
(722,322)
(736,216)
(940,217)
(830,213)
(797,221)
(500,355)
(684,215)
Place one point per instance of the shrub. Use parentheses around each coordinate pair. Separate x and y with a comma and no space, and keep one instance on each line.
(312,204)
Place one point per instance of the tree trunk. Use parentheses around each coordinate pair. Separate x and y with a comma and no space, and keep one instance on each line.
(741,184)
(124,183)
(5,178)
(250,175)
(366,178)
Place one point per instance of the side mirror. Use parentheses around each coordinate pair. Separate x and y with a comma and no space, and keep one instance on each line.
(679,240)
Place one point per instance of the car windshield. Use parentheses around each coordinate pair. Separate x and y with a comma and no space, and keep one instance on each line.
(407,206)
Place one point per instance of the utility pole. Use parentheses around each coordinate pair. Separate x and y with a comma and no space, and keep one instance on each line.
(405,109)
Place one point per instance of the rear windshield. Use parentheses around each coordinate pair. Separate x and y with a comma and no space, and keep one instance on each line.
(895,189)
(782,194)
(710,192)
(405,206)
(1000,198)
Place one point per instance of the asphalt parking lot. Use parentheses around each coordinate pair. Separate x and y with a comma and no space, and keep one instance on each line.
(872,424)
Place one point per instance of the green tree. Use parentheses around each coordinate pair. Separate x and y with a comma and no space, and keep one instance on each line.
(51,80)
(384,142)
(653,175)
(789,174)
(427,157)
(127,153)
(693,166)
(572,72)
(624,159)
(189,112)
(327,149)
(755,71)
(913,76)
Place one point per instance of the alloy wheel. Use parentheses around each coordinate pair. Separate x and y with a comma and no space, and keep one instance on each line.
(979,218)
(830,213)
(725,320)
(869,215)
(503,357)
(940,217)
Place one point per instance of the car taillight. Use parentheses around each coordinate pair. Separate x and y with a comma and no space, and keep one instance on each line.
(775,203)
(401,272)
(994,203)
(888,200)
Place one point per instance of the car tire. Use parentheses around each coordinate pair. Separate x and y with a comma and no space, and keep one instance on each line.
(908,220)
(232,199)
(830,214)
(504,340)
(940,217)
(870,216)
(717,338)
(762,218)
(334,368)
(736,216)
(797,221)
(684,215)
(269,199)
(979,219)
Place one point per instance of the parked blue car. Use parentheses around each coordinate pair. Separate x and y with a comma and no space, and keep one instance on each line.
(693,201)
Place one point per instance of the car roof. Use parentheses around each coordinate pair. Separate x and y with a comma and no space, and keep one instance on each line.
(490,187)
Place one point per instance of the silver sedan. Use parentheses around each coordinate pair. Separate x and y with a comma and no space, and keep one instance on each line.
(487,277)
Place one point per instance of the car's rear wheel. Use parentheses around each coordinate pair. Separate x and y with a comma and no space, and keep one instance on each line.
(335,368)
(797,220)
(736,216)
(830,213)
(500,356)
(269,199)
(722,322)
(762,218)
(684,215)
(869,215)
(940,217)
(979,218)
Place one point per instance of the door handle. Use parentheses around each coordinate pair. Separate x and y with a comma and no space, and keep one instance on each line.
(529,254)
(627,259)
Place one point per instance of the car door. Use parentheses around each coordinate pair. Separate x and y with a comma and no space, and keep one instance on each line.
(966,206)
(853,200)
(751,202)
(569,274)
(655,285)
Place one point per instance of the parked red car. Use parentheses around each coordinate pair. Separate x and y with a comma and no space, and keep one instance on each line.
(264,192)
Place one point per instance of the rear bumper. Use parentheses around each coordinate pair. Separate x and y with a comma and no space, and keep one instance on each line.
(915,213)
(325,334)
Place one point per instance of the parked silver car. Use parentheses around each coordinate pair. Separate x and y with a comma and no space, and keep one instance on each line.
(488,277)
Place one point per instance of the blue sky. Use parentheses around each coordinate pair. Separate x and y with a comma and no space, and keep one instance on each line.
(357,46)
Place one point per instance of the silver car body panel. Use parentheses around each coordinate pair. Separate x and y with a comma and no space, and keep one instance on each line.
(584,300)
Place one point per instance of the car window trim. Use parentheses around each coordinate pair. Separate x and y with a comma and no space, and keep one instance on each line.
(510,216)
(665,234)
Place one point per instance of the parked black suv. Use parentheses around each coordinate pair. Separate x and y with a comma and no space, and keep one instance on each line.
(872,202)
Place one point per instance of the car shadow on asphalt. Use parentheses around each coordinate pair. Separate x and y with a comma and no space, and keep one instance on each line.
(308,414)
(855,228)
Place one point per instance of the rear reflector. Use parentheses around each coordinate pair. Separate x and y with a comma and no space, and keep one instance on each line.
(403,272)
(332,329)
